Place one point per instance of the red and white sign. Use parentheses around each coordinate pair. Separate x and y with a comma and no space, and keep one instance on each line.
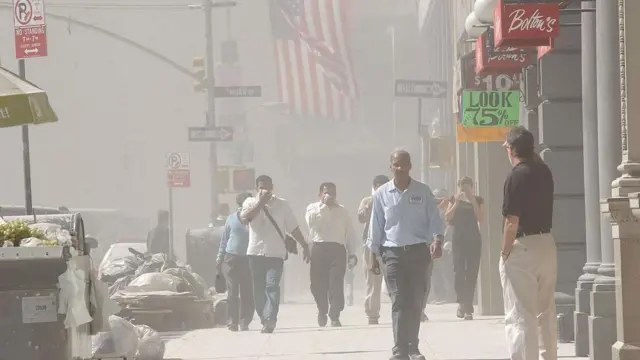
(525,24)
(178,170)
(499,61)
(30,28)
(544,50)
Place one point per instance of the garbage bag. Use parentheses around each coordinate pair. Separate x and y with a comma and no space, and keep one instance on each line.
(121,339)
(154,282)
(54,232)
(117,268)
(153,264)
(31,242)
(150,345)
(120,284)
(193,285)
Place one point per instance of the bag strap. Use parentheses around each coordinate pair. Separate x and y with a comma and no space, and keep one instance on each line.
(273,222)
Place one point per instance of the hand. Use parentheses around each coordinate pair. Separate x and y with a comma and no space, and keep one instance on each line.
(328,200)
(219,266)
(306,254)
(352,261)
(264,196)
(460,196)
(436,250)
(447,247)
(375,266)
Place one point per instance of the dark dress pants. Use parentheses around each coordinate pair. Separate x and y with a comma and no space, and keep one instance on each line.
(327,271)
(406,278)
(466,264)
(237,274)
(266,273)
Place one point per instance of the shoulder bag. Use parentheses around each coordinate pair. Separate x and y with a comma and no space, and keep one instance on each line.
(290,243)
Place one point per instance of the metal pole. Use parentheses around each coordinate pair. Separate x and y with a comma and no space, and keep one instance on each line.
(211,105)
(26,153)
(171,252)
(424,145)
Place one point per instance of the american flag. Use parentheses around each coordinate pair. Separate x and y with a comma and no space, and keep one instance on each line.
(314,69)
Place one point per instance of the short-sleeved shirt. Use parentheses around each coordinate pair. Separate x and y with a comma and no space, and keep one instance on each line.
(465,221)
(264,239)
(528,194)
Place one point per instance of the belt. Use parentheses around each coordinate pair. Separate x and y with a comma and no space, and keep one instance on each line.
(406,247)
(520,234)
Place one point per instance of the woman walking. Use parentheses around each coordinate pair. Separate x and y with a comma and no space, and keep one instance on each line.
(464,215)
(233,262)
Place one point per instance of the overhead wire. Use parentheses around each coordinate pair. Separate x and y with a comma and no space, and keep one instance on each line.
(104,6)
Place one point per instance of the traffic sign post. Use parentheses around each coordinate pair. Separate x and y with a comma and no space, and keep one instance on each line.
(237,91)
(178,176)
(30,29)
(422,89)
(218,133)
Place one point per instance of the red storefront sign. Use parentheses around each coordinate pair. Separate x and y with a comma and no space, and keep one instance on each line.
(526,25)
(504,60)
(544,50)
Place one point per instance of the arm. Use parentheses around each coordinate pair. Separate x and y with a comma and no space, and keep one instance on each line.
(315,215)
(451,211)
(376,225)
(364,210)
(224,241)
(250,209)
(435,221)
(290,222)
(350,234)
(478,208)
(511,210)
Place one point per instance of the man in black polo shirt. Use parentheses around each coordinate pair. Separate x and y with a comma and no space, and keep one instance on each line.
(528,267)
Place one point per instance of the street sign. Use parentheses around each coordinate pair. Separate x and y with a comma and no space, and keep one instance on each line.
(220,133)
(30,28)
(237,91)
(178,170)
(421,89)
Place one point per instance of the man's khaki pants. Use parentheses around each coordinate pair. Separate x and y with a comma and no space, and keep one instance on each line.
(374,288)
(528,285)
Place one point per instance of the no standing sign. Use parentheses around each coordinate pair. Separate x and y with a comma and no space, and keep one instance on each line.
(30,28)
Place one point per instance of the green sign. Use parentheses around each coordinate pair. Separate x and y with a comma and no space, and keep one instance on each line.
(490,108)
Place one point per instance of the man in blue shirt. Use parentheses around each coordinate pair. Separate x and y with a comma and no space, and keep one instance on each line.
(233,262)
(405,221)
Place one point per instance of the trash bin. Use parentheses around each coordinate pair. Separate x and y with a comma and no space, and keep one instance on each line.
(30,326)
(202,248)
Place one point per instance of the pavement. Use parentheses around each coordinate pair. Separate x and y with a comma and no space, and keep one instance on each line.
(443,337)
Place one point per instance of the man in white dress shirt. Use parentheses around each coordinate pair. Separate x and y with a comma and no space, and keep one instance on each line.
(266,249)
(333,236)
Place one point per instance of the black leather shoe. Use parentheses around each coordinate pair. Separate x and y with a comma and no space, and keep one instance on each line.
(416,356)
(399,357)
(267,329)
(336,323)
(322,320)
(460,312)
(232,328)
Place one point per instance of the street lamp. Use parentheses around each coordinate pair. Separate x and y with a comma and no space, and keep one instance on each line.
(473,26)
(484,10)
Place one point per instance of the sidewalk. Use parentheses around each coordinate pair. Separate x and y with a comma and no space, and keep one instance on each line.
(444,337)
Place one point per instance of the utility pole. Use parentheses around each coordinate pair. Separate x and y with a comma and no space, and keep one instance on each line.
(207,6)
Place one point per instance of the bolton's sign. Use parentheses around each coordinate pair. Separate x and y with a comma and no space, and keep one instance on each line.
(525,24)
(507,59)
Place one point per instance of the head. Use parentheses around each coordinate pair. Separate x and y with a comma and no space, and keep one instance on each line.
(519,144)
(465,184)
(240,198)
(264,182)
(379,181)
(328,188)
(163,218)
(400,164)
